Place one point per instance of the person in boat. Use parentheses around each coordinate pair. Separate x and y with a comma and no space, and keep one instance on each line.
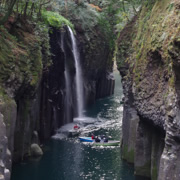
(97,139)
(76,127)
(102,137)
(105,139)
(92,136)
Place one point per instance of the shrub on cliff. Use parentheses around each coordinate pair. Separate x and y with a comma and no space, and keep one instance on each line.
(55,20)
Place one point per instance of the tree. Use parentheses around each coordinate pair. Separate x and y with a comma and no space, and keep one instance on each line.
(9,11)
(26,8)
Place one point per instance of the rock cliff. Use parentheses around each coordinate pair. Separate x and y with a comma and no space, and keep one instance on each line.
(96,56)
(32,87)
(148,60)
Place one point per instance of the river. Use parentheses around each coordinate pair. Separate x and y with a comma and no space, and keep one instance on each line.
(69,159)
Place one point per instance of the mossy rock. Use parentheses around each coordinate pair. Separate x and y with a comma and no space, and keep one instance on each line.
(128,155)
(154,173)
(21,60)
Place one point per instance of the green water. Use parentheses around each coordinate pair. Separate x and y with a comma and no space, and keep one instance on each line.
(69,159)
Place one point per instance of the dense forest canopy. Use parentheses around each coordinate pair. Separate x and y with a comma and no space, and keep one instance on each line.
(109,15)
(33,8)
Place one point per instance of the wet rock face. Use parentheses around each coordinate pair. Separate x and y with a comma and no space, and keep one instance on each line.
(27,121)
(105,86)
(130,122)
(96,56)
(151,77)
(51,91)
(4,156)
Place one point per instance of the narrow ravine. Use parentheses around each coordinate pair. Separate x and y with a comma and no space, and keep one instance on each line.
(68,159)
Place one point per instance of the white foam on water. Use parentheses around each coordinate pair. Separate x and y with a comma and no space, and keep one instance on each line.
(84,120)
(66,128)
(59,136)
(65,131)
(86,124)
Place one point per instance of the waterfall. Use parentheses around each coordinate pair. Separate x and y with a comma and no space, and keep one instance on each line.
(78,76)
(68,96)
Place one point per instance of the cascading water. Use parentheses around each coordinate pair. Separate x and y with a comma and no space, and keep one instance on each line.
(68,97)
(78,76)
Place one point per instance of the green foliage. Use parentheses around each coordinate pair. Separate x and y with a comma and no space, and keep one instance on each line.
(23,8)
(80,14)
(55,20)
(107,30)
(42,32)
(21,59)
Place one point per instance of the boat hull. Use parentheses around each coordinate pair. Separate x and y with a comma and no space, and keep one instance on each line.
(86,139)
(109,143)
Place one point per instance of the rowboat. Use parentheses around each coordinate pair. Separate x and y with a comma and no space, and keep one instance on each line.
(109,143)
(86,139)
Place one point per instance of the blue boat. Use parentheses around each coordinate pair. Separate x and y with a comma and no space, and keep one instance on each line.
(86,139)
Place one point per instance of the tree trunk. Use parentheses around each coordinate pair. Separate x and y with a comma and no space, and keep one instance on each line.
(32,9)
(10,9)
(42,4)
(25,9)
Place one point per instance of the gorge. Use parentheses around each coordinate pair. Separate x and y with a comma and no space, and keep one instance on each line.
(33,108)
(52,71)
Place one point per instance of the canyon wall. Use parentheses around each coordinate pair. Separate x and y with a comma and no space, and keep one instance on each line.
(148,60)
(32,85)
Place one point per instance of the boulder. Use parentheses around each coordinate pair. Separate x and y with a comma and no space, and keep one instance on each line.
(36,150)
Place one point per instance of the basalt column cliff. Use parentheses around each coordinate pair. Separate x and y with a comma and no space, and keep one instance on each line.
(149,62)
(32,84)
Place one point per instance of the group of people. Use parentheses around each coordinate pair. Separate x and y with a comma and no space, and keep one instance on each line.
(99,139)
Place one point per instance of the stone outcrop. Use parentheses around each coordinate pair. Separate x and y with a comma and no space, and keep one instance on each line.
(149,54)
